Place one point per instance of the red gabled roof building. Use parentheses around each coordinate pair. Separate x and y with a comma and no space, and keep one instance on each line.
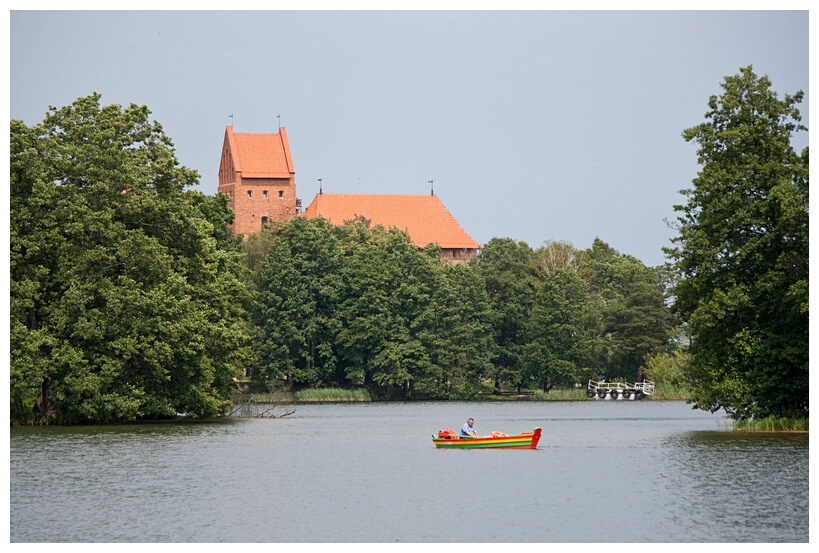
(257,172)
(424,217)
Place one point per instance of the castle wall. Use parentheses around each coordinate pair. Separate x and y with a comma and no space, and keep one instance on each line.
(456,256)
(259,201)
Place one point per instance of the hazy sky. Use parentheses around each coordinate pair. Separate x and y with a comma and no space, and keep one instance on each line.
(533,125)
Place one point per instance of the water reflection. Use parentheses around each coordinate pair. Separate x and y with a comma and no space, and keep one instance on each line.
(750,486)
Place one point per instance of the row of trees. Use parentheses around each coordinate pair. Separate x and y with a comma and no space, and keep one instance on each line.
(360,306)
(130,298)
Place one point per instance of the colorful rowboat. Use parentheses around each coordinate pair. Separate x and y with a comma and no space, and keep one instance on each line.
(448,439)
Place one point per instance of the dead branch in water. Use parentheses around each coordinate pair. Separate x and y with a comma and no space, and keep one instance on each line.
(264,414)
(245,411)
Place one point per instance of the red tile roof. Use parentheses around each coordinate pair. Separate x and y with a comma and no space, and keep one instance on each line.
(423,216)
(259,155)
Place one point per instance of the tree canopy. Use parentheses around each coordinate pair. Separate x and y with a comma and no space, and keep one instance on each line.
(742,254)
(355,306)
(125,297)
(561,330)
(636,321)
(506,267)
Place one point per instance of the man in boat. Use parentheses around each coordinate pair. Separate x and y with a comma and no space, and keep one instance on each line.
(468,429)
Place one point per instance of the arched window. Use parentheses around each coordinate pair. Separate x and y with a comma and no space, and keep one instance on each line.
(264,220)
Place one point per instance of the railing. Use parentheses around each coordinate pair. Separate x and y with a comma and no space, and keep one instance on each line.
(646,387)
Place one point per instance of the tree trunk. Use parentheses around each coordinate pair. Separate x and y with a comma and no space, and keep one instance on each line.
(43,403)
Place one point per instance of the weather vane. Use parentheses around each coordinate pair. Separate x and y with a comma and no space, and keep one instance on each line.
(431,188)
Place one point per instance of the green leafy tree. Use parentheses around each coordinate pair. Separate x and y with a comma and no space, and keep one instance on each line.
(387,289)
(256,250)
(457,333)
(505,266)
(125,299)
(742,254)
(561,330)
(668,368)
(637,322)
(295,310)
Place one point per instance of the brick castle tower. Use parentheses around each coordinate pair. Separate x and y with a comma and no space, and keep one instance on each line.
(257,172)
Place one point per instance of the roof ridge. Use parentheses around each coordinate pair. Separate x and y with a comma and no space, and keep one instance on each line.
(257,133)
(376,194)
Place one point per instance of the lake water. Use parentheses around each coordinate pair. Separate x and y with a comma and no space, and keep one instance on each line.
(648,471)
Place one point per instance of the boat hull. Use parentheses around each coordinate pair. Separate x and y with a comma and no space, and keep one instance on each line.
(524,440)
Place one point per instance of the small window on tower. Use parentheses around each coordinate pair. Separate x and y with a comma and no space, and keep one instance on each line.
(281,193)
(264,220)
(249,193)
(264,194)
